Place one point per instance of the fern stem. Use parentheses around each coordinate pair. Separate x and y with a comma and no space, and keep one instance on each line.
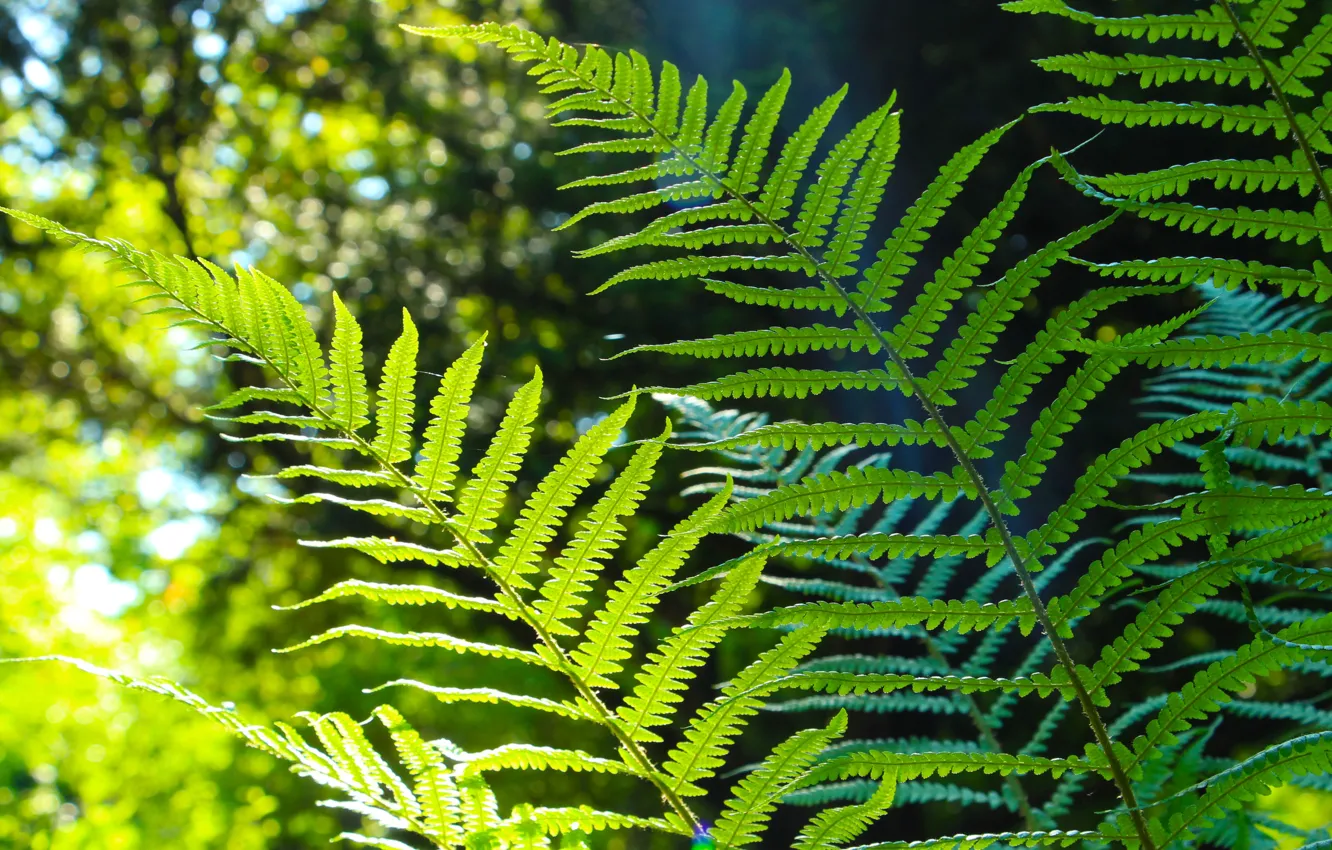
(605,716)
(1301,138)
(1098,727)
(1089,709)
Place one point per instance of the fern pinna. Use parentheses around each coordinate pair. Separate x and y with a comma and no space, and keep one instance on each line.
(440,792)
(737,197)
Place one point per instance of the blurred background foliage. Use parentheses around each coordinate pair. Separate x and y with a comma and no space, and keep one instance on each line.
(316,140)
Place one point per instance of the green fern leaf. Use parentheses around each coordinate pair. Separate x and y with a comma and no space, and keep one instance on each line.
(670,666)
(1306,62)
(374,507)
(1250,175)
(351,400)
(420,639)
(1097,69)
(835,827)
(490,696)
(1209,24)
(245,395)
(897,257)
(483,496)
(393,551)
(1251,778)
(962,615)
(529,757)
(438,465)
(754,798)
(597,538)
(345,477)
(783,381)
(397,404)
(824,196)
(877,764)
(714,728)
(608,635)
(922,321)
(839,491)
(703,266)
(801,435)
(717,144)
(1212,687)
(744,174)
(1036,360)
(875,546)
(1142,546)
(436,792)
(796,298)
(772,341)
(981,841)
(779,191)
(404,594)
(857,216)
(575,819)
(541,516)
(978,336)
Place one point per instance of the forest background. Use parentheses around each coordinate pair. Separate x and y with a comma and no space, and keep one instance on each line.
(320,142)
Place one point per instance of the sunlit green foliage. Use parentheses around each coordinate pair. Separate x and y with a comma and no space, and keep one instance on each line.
(354,416)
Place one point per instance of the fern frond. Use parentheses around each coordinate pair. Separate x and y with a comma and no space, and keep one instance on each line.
(1208,24)
(969,348)
(345,477)
(824,196)
(393,551)
(897,258)
(1251,778)
(530,757)
(1251,176)
(783,381)
(1053,838)
(1211,688)
(801,435)
(1100,70)
(1229,274)
(956,273)
(906,766)
(779,191)
(397,404)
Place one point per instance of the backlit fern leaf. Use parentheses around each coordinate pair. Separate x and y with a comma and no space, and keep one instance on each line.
(445,797)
